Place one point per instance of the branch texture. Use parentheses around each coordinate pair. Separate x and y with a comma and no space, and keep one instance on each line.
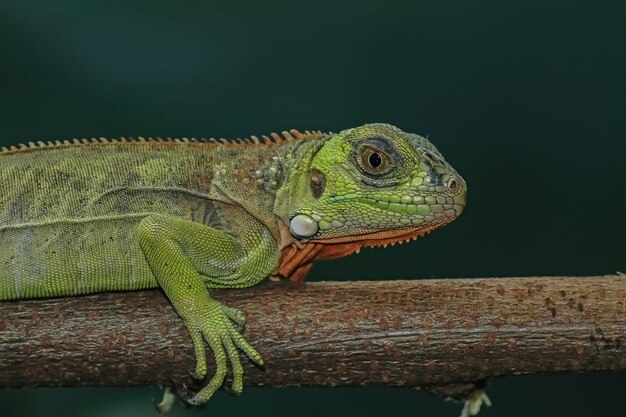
(419,333)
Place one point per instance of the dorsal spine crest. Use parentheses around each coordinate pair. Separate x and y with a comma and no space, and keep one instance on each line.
(272,140)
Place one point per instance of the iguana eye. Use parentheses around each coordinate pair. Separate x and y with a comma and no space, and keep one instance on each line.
(374,161)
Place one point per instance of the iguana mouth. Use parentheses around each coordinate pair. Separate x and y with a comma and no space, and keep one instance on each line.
(385,237)
(296,261)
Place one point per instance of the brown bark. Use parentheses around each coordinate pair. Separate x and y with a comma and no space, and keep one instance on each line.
(420,333)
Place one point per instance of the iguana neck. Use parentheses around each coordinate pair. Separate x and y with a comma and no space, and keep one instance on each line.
(264,179)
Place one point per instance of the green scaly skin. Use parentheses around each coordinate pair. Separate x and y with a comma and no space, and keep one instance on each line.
(187,216)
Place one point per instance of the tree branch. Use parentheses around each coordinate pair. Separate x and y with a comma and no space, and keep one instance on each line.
(420,333)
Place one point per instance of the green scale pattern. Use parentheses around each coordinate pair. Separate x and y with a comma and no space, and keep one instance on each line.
(187,216)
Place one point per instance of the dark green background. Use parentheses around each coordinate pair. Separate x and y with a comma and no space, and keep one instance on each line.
(527,99)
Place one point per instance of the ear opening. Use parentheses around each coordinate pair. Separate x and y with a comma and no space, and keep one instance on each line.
(318,182)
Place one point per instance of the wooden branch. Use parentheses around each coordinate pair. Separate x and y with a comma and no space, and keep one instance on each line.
(420,333)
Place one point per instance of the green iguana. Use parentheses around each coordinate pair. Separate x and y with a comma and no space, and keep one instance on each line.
(186,215)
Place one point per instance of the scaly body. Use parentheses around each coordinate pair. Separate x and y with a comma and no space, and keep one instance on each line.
(187,216)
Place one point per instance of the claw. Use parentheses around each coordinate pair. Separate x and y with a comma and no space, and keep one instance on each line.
(241,327)
(185,396)
(194,375)
(259,363)
(237,316)
(230,390)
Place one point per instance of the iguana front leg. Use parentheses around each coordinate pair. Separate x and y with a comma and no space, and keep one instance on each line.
(186,258)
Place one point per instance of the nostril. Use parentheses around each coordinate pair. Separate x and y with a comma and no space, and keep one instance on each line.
(453,185)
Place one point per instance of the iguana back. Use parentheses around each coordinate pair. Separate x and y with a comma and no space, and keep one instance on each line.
(67,211)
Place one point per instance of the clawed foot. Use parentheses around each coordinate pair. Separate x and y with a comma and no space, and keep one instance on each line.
(217,328)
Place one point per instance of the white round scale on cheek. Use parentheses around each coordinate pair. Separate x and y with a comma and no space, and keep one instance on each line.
(303,225)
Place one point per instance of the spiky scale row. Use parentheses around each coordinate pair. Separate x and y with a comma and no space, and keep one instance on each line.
(273,139)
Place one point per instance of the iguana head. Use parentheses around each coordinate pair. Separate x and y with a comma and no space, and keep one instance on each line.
(375,182)
(370,186)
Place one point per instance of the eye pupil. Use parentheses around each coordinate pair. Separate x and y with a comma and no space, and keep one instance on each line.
(375,160)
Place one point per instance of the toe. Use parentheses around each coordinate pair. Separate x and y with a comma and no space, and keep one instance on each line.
(246,348)
(235,363)
(200,353)
(235,315)
(208,390)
